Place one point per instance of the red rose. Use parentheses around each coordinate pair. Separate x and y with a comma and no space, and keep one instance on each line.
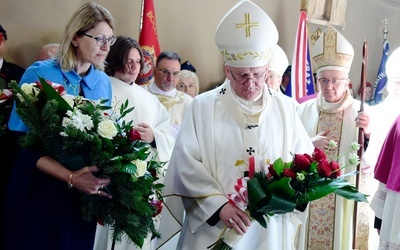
(100,221)
(6,94)
(272,171)
(153,172)
(134,135)
(302,162)
(60,89)
(335,167)
(157,204)
(324,168)
(287,172)
(318,154)
(39,84)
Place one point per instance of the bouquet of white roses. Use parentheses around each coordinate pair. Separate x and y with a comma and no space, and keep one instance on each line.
(79,132)
(281,187)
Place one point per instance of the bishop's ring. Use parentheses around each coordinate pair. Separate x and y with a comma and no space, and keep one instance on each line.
(231,221)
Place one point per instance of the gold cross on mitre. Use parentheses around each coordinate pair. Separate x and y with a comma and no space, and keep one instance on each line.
(247,24)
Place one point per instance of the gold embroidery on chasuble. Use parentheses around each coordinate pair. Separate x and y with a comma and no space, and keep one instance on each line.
(322,212)
(364,213)
(169,102)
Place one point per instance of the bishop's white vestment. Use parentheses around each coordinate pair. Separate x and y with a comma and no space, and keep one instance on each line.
(218,130)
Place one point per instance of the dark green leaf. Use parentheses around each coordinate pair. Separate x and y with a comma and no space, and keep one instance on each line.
(51,94)
(351,193)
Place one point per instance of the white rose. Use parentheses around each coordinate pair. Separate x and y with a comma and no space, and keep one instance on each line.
(141,167)
(69,99)
(30,89)
(107,129)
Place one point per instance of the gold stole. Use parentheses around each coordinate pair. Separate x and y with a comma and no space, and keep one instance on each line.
(322,212)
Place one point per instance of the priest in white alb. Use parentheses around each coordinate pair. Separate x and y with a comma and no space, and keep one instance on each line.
(166,77)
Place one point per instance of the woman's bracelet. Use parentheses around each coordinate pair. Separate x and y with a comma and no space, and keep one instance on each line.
(70,185)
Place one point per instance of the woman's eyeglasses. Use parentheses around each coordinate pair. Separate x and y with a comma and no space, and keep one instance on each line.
(102,40)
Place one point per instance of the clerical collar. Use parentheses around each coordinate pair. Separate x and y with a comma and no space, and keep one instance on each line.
(256,102)
(248,107)
(341,105)
(1,62)
(156,90)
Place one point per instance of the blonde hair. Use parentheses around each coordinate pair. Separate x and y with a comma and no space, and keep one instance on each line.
(84,19)
(186,74)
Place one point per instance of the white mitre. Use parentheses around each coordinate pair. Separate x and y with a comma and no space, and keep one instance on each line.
(332,51)
(393,64)
(246,36)
(393,73)
(279,61)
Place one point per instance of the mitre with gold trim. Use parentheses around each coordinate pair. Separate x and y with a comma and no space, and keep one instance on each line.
(332,51)
(246,36)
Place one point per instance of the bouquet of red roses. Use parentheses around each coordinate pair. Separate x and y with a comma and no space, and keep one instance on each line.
(281,187)
(79,132)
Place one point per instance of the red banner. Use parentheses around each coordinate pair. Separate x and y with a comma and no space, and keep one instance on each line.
(148,40)
(302,82)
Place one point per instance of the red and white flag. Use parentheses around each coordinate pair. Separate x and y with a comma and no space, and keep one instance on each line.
(302,80)
(148,41)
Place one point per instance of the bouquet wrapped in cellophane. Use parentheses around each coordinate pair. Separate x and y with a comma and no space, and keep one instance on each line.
(79,132)
(282,187)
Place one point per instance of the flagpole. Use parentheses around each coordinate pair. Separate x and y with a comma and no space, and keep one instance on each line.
(381,78)
(360,136)
(141,17)
(385,31)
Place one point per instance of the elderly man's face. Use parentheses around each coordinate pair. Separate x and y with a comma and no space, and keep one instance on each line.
(333,84)
(247,83)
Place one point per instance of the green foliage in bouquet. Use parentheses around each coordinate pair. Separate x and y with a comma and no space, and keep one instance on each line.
(79,132)
(290,185)
(282,187)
